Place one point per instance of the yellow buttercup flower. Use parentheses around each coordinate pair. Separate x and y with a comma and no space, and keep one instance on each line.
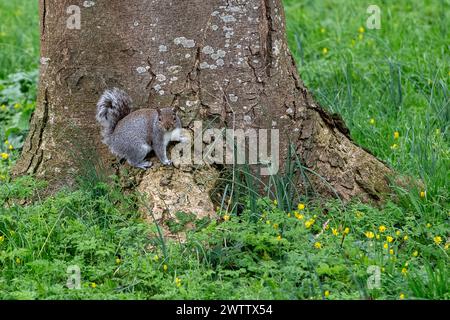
(377,237)
(301,206)
(226,217)
(346,231)
(369,234)
(372,121)
(178,282)
(404,271)
(422,194)
(279,237)
(268,222)
(396,134)
(428,225)
(334,231)
(275,225)
(93,285)
(2,238)
(318,245)
(391,251)
(4,156)
(382,228)
(299,216)
(402,296)
(165,267)
(17,106)
(326,294)
(289,215)
(118,261)
(398,232)
(415,253)
(309,223)
(389,239)
(10,147)
(156,258)
(394,146)
(275,202)
(385,245)
(437,240)
(361,29)
(405,238)
(325,51)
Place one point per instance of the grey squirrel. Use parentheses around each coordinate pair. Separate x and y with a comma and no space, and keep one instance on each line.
(132,135)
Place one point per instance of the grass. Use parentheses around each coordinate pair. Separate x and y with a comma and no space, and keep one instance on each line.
(288,246)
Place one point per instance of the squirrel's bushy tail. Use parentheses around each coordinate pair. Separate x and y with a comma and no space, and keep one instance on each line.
(114,104)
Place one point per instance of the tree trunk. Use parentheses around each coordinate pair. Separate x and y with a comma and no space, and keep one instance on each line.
(225,62)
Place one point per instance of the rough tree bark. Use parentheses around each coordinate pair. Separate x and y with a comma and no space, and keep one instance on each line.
(216,60)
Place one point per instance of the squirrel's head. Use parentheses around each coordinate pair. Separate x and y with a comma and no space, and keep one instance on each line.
(167,118)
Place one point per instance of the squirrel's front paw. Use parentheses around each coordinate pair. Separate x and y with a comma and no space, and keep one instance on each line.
(167,162)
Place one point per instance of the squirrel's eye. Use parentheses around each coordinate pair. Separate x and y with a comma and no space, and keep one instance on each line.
(160,119)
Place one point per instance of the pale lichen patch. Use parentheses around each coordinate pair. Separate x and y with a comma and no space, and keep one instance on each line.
(186,43)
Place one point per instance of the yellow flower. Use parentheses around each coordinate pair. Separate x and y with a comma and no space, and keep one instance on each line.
(437,240)
(369,234)
(10,147)
(178,282)
(268,222)
(318,245)
(382,228)
(17,106)
(301,206)
(405,238)
(279,237)
(275,202)
(415,253)
(6,142)
(4,156)
(2,238)
(322,30)
(309,223)
(404,271)
(3,107)
(165,267)
(428,225)
(324,51)
(18,261)
(326,294)
(156,258)
(377,237)
(385,245)
(359,214)
(299,216)
(335,232)
(275,225)
(398,232)
(389,239)
(396,135)
(361,29)
(446,246)
(347,230)
(372,121)
(289,215)
(402,296)
(118,261)
(394,146)
(226,217)
(423,194)
(391,251)
(93,285)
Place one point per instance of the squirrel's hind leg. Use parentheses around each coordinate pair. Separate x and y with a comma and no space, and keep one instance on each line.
(137,158)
